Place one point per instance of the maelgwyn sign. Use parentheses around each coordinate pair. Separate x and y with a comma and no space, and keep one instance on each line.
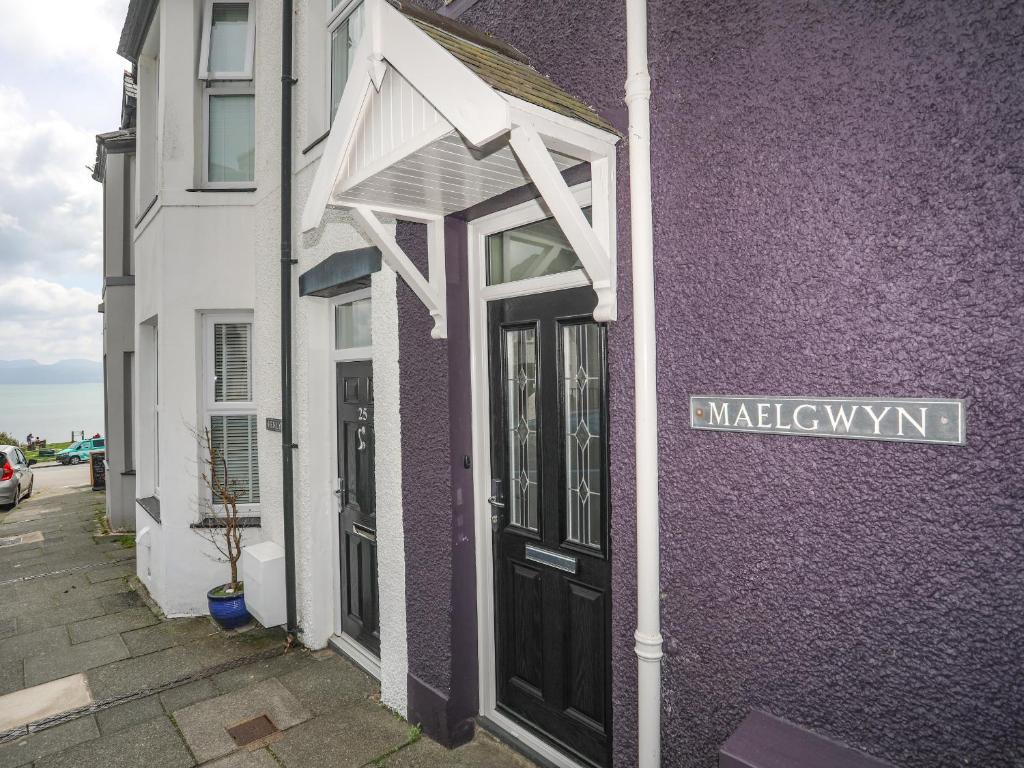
(909,420)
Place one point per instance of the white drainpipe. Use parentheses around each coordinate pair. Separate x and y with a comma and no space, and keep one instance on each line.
(648,555)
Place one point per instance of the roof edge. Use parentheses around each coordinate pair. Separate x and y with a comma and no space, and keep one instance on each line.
(136,25)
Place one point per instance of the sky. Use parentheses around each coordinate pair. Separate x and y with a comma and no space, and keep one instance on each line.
(60,85)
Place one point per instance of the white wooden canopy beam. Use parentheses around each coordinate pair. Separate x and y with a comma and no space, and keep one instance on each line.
(343,129)
(592,253)
(431,292)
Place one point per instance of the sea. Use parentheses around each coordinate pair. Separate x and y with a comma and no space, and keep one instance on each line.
(51,411)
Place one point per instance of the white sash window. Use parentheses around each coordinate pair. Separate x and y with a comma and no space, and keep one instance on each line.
(229,101)
(230,411)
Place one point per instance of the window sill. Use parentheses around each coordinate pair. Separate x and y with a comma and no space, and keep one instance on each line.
(221,189)
(128,473)
(316,142)
(151,506)
(246,521)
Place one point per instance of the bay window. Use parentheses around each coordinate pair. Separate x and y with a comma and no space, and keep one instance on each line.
(229,101)
(230,413)
(345,22)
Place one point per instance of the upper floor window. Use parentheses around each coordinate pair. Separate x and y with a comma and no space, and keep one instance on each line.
(345,22)
(229,101)
(229,36)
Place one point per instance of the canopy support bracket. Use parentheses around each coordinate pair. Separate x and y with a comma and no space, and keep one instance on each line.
(594,254)
(431,292)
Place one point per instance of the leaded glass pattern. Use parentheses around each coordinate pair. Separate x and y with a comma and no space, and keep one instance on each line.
(582,379)
(521,398)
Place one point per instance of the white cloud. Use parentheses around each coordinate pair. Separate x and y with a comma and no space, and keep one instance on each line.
(56,33)
(60,82)
(46,321)
(50,208)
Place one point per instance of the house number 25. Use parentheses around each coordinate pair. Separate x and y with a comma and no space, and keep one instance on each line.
(363,415)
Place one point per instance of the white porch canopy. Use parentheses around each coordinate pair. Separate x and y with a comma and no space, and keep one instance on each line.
(437,117)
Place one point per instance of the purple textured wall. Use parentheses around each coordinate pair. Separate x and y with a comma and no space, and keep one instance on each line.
(437,497)
(838,212)
(590,63)
(426,488)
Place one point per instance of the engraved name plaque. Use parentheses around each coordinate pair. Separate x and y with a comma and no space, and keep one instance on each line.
(907,420)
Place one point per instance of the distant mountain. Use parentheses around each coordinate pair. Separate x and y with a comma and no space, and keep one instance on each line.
(63,372)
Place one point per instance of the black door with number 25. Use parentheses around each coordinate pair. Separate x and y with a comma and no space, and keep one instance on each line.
(360,618)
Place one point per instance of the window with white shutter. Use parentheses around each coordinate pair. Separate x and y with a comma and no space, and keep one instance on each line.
(230,410)
(232,344)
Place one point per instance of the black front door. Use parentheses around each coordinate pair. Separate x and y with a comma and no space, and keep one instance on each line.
(552,570)
(358,509)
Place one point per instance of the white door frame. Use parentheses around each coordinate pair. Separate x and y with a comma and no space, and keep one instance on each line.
(346,644)
(479,295)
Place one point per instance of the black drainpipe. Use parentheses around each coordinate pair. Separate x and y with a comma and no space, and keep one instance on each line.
(287,446)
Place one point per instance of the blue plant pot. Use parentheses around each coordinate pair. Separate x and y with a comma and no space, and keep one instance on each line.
(228,610)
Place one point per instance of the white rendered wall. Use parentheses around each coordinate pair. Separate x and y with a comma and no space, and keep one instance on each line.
(195,253)
(316,510)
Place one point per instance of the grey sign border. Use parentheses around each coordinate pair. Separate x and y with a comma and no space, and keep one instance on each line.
(960,403)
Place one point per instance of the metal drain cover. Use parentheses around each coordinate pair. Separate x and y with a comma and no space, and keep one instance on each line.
(252,730)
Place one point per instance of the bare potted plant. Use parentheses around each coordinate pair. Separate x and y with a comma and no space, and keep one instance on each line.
(223,528)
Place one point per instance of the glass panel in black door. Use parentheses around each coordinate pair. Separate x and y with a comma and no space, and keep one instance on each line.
(360,619)
(552,571)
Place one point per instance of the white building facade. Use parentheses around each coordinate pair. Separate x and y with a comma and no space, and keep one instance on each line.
(205,188)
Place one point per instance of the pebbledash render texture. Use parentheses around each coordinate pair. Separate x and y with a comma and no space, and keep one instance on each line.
(837,211)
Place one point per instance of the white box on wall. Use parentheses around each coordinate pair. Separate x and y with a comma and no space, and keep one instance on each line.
(263,574)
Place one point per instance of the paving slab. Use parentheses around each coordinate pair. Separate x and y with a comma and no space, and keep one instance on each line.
(152,744)
(38,745)
(423,753)
(160,667)
(40,618)
(111,624)
(31,704)
(135,673)
(112,595)
(204,725)
(8,627)
(277,666)
(328,683)
(21,606)
(128,714)
(76,658)
(12,677)
(167,634)
(349,737)
(485,751)
(43,641)
(113,572)
(260,758)
(188,694)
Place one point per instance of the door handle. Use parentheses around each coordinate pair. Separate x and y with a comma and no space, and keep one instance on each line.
(496,502)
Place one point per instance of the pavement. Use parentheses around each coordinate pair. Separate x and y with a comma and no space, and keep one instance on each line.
(82,644)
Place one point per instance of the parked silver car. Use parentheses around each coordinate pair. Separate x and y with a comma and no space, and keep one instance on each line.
(16,477)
